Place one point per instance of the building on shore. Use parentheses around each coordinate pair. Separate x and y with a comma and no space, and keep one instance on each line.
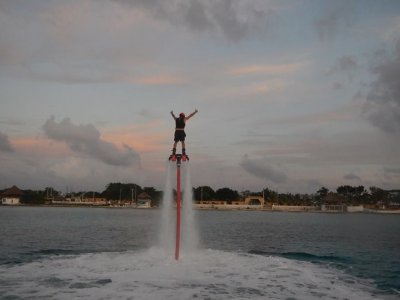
(12,196)
(333,202)
(354,208)
(295,208)
(143,200)
(78,200)
(250,202)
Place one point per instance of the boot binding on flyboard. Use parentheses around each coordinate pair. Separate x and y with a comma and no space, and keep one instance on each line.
(175,157)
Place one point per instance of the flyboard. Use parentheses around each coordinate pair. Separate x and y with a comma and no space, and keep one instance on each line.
(178,158)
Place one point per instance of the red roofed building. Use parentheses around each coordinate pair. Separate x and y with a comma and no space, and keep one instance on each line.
(12,196)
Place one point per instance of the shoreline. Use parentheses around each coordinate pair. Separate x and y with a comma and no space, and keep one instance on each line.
(292,209)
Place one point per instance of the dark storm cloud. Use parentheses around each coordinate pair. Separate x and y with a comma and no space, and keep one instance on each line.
(5,145)
(382,107)
(262,170)
(234,19)
(86,139)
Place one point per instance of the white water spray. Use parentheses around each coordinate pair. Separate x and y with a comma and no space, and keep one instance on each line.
(189,230)
(167,233)
(189,236)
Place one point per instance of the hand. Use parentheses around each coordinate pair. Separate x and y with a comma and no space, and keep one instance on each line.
(196,110)
(172,111)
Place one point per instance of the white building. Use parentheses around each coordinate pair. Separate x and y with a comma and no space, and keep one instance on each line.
(354,209)
(11,196)
(143,201)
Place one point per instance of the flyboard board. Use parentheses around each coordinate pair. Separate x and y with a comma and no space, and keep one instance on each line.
(178,157)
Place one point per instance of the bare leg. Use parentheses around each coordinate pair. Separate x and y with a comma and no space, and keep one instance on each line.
(183,148)
(174,148)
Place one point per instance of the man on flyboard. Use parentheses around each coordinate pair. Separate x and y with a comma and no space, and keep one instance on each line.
(180,132)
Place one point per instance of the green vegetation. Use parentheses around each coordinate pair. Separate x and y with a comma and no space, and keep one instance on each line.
(125,192)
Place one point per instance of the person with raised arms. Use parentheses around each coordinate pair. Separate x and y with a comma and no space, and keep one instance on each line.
(180,134)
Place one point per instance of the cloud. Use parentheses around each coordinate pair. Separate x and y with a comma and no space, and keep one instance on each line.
(148,137)
(232,18)
(340,114)
(262,170)
(343,70)
(71,172)
(351,176)
(392,173)
(157,80)
(69,42)
(255,88)
(86,139)
(346,63)
(5,145)
(313,184)
(338,14)
(265,69)
(382,107)
(337,86)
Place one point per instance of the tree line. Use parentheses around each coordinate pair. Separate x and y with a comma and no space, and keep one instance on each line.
(345,194)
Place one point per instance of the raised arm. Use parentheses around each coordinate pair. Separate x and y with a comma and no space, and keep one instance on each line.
(191,115)
(172,114)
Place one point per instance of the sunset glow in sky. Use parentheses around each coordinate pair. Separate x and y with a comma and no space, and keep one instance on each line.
(292,95)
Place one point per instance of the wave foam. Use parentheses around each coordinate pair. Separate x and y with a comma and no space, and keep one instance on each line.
(154,274)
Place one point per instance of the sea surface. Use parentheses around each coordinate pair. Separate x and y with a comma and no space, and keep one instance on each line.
(110,253)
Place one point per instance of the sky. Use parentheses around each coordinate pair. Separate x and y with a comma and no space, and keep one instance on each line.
(291,95)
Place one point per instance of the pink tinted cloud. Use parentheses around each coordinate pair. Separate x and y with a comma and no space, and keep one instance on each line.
(345,113)
(146,138)
(264,69)
(254,89)
(163,79)
(40,147)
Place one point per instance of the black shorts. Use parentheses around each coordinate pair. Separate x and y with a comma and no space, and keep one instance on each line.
(179,136)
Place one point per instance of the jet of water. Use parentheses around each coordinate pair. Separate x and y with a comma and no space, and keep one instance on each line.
(189,235)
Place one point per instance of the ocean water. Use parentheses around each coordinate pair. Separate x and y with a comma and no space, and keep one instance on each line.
(105,253)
